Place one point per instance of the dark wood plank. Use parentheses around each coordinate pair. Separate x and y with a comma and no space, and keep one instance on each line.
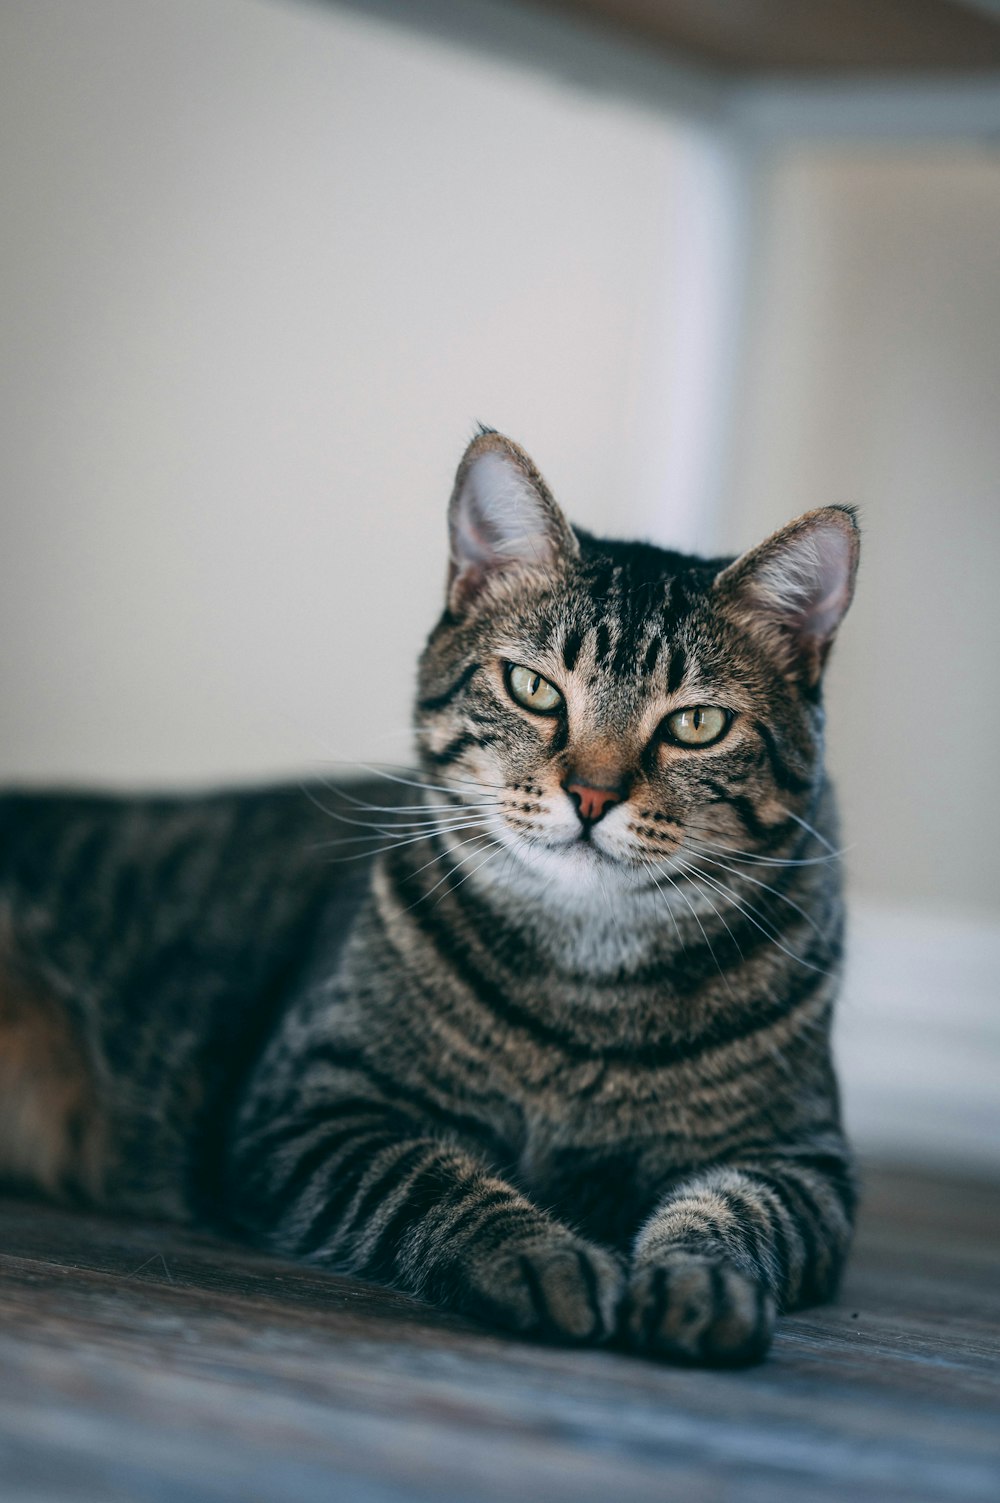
(144,1362)
(807,36)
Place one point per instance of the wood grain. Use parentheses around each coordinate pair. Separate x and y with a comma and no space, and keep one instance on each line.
(139,1362)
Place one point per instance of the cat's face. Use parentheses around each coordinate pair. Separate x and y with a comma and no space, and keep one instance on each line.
(605,708)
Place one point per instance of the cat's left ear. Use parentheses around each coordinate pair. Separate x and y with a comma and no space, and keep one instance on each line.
(793,590)
(502,518)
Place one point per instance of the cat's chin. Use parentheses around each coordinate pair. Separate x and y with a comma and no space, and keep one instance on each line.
(577,868)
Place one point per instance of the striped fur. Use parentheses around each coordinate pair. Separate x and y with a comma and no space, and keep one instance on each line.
(570,1077)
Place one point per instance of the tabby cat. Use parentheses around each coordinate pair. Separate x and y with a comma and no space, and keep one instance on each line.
(554,1051)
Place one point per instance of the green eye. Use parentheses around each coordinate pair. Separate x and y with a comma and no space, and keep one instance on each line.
(532,691)
(699,726)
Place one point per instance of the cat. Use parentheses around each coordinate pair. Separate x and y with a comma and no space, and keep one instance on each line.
(553,1051)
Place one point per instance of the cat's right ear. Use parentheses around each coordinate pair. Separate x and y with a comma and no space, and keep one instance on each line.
(502,519)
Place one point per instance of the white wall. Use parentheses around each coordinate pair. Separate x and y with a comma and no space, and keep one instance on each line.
(872,375)
(263,266)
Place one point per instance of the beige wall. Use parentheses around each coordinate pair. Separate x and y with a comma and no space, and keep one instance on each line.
(264,265)
(872,375)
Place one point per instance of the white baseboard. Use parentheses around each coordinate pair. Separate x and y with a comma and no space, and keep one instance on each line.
(918,1037)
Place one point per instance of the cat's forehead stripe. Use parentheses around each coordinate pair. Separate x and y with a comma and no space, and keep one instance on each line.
(572,643)
(677,669)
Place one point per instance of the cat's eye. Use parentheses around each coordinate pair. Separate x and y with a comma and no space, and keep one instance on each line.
(698,726)
(532,691)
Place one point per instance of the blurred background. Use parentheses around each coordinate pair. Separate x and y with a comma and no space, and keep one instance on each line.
(264,264)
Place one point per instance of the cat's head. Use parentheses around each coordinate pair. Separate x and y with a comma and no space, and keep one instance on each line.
(605,706)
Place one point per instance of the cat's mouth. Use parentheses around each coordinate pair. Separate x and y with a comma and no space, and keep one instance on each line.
(588,849)
(587,846)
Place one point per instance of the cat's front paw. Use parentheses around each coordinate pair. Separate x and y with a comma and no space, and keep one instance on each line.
(690,1307)
(563,1289)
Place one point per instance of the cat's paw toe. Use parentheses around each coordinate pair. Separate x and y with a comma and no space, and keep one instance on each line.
(566,1290)
(689,1307)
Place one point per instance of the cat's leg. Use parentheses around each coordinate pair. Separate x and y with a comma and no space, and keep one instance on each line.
(732,1244)
(365,1189)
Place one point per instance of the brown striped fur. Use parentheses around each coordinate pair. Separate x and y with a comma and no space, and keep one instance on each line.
(551,1045)
(52,1131)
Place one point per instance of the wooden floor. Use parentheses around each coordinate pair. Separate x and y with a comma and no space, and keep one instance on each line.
(136,1363)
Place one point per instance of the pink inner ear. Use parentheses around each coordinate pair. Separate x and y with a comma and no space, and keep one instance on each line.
(832,583)
(473,544)
(479,512)
(806,580)
(498,520)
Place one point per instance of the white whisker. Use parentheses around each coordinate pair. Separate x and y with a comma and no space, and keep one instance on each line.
(393,845)
(399,826)
(782,897)
(397,836)
(393,777)
(807,826)
(694,912)
(437,857)
(360,803)
(499,846)
(757,860)
(748,912)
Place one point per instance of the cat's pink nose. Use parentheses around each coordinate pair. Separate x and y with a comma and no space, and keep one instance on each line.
(592,803)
